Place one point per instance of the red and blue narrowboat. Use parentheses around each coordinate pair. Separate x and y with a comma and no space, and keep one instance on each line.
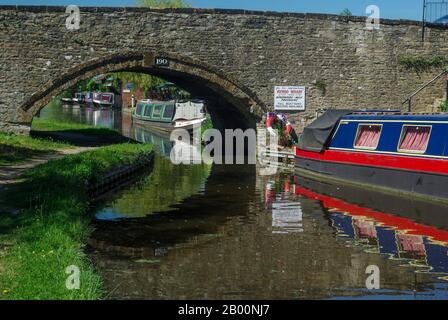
(387,150)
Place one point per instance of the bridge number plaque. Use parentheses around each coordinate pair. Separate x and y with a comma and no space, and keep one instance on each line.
(161,62)
(289,98)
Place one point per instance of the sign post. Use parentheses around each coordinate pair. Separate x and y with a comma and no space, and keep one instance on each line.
(289,98)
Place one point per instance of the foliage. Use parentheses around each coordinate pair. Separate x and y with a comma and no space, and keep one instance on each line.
(140,80)
(14,148)
(49,235)
(207,124)
(444,106)
(346,13)
(322,86)
(163,4)
(282,138)
(423,63)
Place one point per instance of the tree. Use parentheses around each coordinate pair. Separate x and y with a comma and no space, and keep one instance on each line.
(163,4)
(346,13)
(140,80)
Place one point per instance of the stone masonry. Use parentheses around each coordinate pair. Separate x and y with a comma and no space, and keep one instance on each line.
(239,56)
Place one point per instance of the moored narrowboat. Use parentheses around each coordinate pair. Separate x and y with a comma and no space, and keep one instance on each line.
(170,115)
(79,98)
(103,99)
(88,98)
(406,153)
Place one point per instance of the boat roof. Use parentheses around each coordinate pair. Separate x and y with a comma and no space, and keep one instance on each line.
(398,116)
(317,134)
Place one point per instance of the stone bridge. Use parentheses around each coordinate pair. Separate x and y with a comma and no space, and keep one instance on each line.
(235,57)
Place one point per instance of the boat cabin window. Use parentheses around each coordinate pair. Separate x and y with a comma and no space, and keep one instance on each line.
(139,108)
(414,139)
(148,110)
(168,113)
(157,111)
(368,136)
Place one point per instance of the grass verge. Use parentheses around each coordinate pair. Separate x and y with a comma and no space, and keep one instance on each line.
(14,148)
(49,235)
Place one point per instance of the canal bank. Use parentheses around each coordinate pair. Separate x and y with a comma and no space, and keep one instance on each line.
(42,243)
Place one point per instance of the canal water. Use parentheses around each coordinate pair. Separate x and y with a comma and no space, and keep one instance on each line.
(224,232)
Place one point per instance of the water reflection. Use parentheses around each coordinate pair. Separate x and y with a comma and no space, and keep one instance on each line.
(102,117)
(267,238)
(286,213)
(167,185)
(396,237)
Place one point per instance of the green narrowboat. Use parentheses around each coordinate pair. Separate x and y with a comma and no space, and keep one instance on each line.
(170,115)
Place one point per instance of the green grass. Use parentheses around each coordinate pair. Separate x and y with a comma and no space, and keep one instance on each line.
(46,125)
(14,148)
(49,235)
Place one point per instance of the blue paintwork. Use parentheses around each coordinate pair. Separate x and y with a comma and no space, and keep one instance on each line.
(344,224)
(436,256)
(390,135)
(387,241)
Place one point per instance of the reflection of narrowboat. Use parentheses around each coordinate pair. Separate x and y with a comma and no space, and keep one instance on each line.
(170,115)
(160,140)
(103,99)
(402,152)
(396,237)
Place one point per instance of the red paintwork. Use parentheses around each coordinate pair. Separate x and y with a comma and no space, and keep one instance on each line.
(387,219)
(409,163)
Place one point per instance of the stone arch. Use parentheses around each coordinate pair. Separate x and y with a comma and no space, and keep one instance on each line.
(182,70)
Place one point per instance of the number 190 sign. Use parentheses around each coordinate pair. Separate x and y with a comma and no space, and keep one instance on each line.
(162,62)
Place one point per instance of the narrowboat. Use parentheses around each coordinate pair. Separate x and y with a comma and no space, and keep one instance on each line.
(170,115)
(385,150)
(88,98)
(79,98)
(103,99)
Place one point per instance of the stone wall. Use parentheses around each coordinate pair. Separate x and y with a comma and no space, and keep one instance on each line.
(238,55)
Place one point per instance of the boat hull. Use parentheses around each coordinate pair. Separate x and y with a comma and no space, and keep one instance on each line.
(166,126)
(398,180)
(102,104)
(159,126)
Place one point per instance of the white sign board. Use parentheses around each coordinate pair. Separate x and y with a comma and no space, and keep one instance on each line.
(289,98)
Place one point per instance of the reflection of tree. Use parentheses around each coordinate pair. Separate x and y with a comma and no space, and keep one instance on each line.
(167,185)
(54,111)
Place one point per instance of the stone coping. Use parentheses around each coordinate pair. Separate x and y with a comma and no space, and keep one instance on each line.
(332,17)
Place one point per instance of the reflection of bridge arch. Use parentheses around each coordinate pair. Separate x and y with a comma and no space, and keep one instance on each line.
(232,104)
